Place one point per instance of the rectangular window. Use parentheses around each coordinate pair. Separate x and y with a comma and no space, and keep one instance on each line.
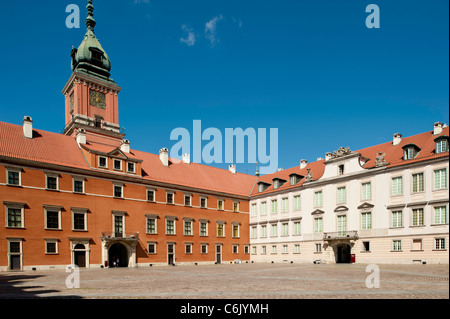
(439,243)
(341,170)
(151,225)
(52,220)
(341,195)
(235,249)
(366,245)
(297,249)
(366,221)
(170,227)
(131,168)
(366,191)
(263,208)
(417,215)
(318,225)
(118,226)
(318,248)
(220,204)
(79,221)
(52,182)
(235,231)
(169,198)
(188,248)
(274,249)
(117,191)
(418,184)
(440,215)
(284,205)
(117,165)
(203,202)
(297,202)
(13,177)
(204,248)
(440,178)
(342,225)
(274,206)
(285,249)
(274,232)
(15,217)
(51,247)
(263,231)
(397,186)
(152,248)
(102,162)
(187,228)
(235,207)
(254,250)
(263,250)
(297,228)
(285,229)
(318,199)
(187,200)
(220,230)
(397,219)
(396,245)
(78,186)
(203,229)
(254,210)
(254,232)
(441,146)
(150,195)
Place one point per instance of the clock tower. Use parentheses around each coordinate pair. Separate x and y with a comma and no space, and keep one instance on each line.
(91,95)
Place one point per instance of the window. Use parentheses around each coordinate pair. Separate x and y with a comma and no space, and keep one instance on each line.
(410,152)
(187,200)
(342,225)
(51,246)
(169,198)
(274,249)
(318,199)
(417,217)
(318,248)
(152,248)
(235,249)
(15,217)
(297,249)
(397,186)
(341,195)
(396,245)
(284,205)
(285,249)
(254,210)
(274,206)
(187,228)
(254,232)
(441,146)
(246,249)
(118,191)
(220,230)
(151,225)
(102,162)
(274,231)
(131,168)
(297,203)
(188,248)
(204,248)
(150,195)
(263,250)
(366,191)
(52,182)
(418,184)
(440,178)
(318,225)
(263,231)
(253,250)
(263,208)
(79,221)
(366,245)
(297,228)
(285,229)
(78,186)
(52,219)
(118,226)
(235,207)
(439,243)
(440,215)
(235,231)
(170,227)
(203,202)
(366,221)
(13,177)
(341,170)
(397,219)
(117,165)
(220,204)
(203,229)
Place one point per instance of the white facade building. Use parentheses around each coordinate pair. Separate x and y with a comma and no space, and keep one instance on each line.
(383,204)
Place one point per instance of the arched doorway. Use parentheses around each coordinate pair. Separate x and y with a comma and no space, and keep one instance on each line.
(79,255)
(118,252)
(343,253)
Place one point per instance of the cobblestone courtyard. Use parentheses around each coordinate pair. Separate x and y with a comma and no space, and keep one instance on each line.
(237,281)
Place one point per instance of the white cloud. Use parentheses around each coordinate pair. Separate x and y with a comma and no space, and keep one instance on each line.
(210,29)
(190,38)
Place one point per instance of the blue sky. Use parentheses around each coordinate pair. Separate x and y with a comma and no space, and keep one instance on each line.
(310,68)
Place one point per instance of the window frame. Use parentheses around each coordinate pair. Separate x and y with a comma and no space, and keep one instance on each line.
(116,160)
(441,180)
(57,210)
(20,207)
(14,170)
(56,177)
(415,185)
(51,241)
(106,162)
(396,186)
(79,212)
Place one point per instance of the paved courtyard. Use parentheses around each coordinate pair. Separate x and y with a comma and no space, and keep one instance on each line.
(236,281)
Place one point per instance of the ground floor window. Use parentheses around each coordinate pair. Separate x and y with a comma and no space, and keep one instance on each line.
(439,243)
(396,245)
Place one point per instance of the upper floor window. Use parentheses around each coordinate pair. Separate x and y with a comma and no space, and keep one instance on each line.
(262,186)
(13,176)
(366,191)
(294,178)
(410,151)
(274,206)
(131,168)
(51,182)
(418,183)
(297,202)
(284,204)
(441,144)
(220,204)
(117,165)
(102,162)
(187,200)
(203,202)
(15,217)
(318,199)
(440,178)
(236,207)
(169,198)
(253,210)
(397,186)
(78,185)
(440,215)
(341,195)
(341,169)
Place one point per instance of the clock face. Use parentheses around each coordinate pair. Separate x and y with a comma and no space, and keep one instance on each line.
(97,99)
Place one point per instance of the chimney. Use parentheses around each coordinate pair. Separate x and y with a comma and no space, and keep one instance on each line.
(27,127)
(125,146)
(437,128)
(187,158)
(303,163)
(164,156)
(328,156)
(397,138)
(81,136)
(232,168)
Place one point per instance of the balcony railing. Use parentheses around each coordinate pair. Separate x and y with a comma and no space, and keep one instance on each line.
(347,234)
(116,235)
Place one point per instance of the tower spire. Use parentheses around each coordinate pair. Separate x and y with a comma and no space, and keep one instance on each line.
(90,21)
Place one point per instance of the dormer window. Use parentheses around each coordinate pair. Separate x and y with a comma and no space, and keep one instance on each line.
(410,151)
(262,186)
(97,55)
(294,178)
(277,183)
(102,162)
(441,144)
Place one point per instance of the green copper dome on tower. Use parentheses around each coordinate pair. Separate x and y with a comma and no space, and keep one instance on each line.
(90,58)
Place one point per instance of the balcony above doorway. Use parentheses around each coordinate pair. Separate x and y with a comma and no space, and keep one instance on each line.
(341,235)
